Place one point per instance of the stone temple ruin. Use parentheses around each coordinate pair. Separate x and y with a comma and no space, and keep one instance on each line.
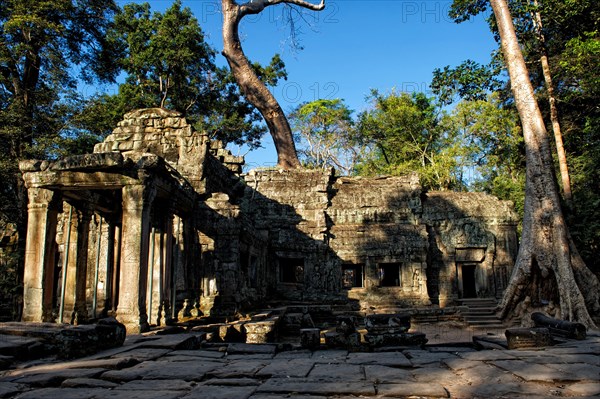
(159,223)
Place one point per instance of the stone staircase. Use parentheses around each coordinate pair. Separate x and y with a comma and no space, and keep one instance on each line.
(481,313)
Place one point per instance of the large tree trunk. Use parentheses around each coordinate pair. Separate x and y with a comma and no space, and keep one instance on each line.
(558,138)
(251,86)
(547,267)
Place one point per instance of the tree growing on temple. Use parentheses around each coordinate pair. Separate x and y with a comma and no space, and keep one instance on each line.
(548,266)
(251,85)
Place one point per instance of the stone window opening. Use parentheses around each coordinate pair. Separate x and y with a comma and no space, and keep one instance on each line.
(389,274)
(291,270)
(353,276)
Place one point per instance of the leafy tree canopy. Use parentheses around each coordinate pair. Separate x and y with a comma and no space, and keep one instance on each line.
(325,134)
(168,64)
(403,134)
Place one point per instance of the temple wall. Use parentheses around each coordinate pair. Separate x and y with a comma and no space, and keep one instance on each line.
(159,223)
(378,240)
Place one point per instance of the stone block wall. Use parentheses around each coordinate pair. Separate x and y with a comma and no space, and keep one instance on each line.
(376,230)
(290,208)
(470,233)
(383,239)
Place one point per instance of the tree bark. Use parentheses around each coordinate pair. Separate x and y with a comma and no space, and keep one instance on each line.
(251,86)
(558,138)
(545,252)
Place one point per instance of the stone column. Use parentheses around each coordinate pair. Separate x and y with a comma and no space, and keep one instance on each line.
(116,272)
(109,256)
(167,285)
(40,249)
(75,250)
(137,203)
(84,217)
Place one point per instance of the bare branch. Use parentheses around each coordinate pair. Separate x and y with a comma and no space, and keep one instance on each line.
(257,6)
(301,3)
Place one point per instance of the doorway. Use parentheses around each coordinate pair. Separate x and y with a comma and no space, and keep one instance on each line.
(468,281)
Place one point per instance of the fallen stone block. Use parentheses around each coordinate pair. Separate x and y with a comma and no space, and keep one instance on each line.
(387,323)
(346,324)
(518,338)
(335,339)
(396,339)
(261,332)
(310,338)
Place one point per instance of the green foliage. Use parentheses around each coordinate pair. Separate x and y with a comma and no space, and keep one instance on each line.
(469,81)
(168,64)
(463,10)
(403,134)
(572,44)
(492,148)
(580,62)
(324,132)
(41,42)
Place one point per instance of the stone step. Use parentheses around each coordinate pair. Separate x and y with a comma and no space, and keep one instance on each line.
(487,326)
(480,311)
(480,317)
(480,305)
(483,322)
(477,302)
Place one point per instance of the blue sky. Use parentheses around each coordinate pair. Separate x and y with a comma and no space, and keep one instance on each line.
(350,48)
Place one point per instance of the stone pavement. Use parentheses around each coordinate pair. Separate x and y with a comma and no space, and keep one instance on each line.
(176,366)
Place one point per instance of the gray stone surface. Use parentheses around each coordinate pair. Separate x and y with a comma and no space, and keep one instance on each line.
(251,349)
(291,368)
(65,393)
(237,382)
(337,371)
(8,389)
(384,374)
(535,372)
(312,387)
(420,357)
(324,375)
(585,388)
(335,355)
(159,385)
(238,368)
(56,377)
(189,371)
(220,392)
(412,389)
(488,355)
(199,353)
(88,383)
(392,359)
(142,354)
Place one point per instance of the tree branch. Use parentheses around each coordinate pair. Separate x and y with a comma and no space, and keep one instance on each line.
(257,6)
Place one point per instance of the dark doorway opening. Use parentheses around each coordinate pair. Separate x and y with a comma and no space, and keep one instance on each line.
(468,281)
(389,275)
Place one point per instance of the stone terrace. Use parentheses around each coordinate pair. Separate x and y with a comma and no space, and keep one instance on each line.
(180,366)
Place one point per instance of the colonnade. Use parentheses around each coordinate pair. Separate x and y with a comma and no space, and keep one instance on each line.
(120,263)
